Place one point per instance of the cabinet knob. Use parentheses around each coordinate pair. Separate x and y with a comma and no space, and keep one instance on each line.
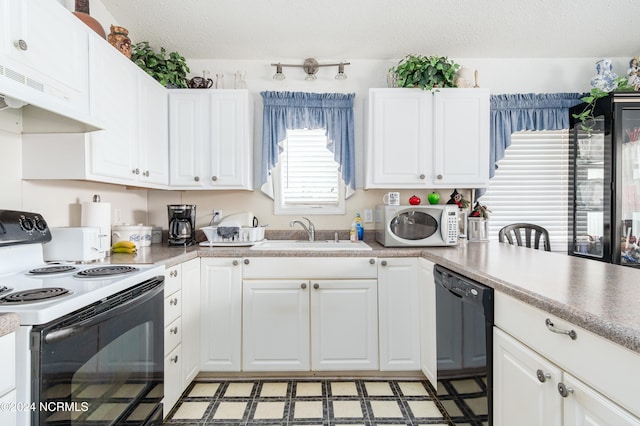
(303,286)
(439,177)
(21,44)
(542,376)
(234,263)
(372,261)
(316,286)
(173,330)
(174,359)
(383,263)
(196,178)
(146,173)
(563,390)
(214,178)
(173,301)
(422,176)
(135,171)
(246,261)
(173,273)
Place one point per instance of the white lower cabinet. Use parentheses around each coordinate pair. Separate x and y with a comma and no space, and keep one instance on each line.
(543,376)
(221,319)
(320,314)
(427,297)
(399,313)
(182,329)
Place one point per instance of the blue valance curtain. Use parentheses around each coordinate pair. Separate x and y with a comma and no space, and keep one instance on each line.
(517,112)
(299,110)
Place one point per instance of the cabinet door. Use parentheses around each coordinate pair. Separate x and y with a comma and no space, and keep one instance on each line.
(230,140)
(399,138)
(344,331)
(524,385)
(584,406)
(275,325)
(172,379)
(114,95)
(461,138)
(399,313)
(190,321)
(428,342)
(221,326)
(55,66)
(188,133)
(153,127)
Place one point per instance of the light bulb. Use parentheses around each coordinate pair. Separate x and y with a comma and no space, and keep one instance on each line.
(278,75)
(341,75)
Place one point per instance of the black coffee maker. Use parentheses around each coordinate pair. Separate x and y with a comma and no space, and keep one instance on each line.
(182,224)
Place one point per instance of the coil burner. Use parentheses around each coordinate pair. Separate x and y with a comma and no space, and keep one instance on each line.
(55,269)
(34,295)
(105,271)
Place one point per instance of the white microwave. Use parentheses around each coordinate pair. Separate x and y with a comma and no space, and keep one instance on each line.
(417,226)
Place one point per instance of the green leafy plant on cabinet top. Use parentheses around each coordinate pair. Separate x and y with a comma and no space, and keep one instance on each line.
(425,72)
(586,117)
(170,71)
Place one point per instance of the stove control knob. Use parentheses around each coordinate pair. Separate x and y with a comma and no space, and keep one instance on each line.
(26,223)
(41,225)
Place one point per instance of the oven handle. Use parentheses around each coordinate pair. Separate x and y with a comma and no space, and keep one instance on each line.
(56,335)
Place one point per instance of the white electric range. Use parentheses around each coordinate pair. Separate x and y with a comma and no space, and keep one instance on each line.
(82,327)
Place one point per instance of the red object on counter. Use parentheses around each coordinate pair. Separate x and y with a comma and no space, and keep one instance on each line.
(414,200)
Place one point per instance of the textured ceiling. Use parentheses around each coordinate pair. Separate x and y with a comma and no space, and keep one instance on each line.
(383,29)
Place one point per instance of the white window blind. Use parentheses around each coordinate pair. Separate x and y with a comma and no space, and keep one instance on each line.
(309,177)
(531,185)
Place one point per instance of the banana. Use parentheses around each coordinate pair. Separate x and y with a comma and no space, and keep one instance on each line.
(124,244)
(124,250)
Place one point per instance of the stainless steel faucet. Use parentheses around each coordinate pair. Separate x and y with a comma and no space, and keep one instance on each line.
(310,230)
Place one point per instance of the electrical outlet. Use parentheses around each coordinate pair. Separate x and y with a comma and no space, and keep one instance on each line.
(368,216)
(217,216)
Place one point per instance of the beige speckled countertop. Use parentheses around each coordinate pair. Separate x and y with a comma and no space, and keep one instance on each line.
(602,298)
(8,323)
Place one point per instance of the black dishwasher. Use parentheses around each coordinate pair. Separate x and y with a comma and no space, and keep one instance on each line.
(464,321)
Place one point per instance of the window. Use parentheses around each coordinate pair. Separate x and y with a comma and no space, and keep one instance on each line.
(531,185)
(307,176)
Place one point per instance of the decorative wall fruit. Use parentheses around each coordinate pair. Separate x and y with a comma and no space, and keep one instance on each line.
(433,198)
(414,200)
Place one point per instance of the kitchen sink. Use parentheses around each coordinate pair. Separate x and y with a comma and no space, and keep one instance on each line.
(321,245)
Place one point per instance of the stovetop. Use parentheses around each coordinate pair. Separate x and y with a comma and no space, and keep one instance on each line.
(80,291)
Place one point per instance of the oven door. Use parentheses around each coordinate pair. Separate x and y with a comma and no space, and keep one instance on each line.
(102,364)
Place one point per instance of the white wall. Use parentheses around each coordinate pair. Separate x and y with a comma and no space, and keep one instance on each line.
(59,201)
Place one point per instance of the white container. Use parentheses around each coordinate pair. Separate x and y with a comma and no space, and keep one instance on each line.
(156,234)
(126,233)
(145,236)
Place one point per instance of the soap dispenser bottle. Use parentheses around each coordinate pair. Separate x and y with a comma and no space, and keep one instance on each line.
(359,227)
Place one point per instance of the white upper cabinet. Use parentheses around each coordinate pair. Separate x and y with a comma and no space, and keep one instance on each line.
(421,139)
(43,56)
(210,139)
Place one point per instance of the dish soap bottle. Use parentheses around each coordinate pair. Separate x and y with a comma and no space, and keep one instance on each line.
(359,227)
(353,232)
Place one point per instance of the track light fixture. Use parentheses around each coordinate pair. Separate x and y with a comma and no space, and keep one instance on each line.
(310,67)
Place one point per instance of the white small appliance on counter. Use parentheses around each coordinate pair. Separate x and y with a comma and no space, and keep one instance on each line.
(75,244)
(417,226)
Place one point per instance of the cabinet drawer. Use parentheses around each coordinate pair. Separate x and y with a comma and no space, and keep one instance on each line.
(172,335)
(172,279)
(8,360)
(600,363)
(309,267)
(172,307)
(172,379)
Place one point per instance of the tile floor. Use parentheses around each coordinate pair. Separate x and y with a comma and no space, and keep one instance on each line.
(329,402)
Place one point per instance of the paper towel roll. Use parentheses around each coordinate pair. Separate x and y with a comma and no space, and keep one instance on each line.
(98,214)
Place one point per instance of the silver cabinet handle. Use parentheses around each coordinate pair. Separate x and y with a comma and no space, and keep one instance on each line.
(21,44)
(174,359)
(234,263)
(383,263)
(551,327)
(422,176)
(173,273)
(372,261)
(135,171)
(246,261)
(316,286)
(146,173)
(303,286)
(439,177)
(214,178)
(563,390)
(196,178)
(542,376)
(173,330)
(173,301)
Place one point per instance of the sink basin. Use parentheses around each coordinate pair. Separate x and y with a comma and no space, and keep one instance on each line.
(321,245)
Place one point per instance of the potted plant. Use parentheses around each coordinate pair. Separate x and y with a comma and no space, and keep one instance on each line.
(425,72)
(171,71)
(586,117)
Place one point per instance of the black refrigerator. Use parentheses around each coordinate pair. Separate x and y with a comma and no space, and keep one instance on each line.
(604,181)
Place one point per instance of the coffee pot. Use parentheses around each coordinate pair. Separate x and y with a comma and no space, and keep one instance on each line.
(200,82)
(182,222)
